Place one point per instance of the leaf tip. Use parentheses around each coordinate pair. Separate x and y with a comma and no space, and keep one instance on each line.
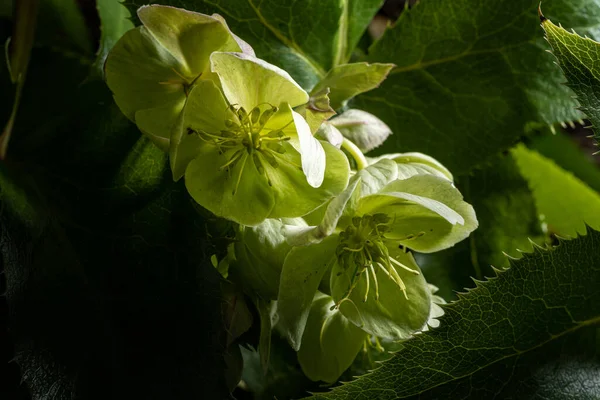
(542,18)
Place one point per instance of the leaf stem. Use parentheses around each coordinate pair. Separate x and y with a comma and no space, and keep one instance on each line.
(357,155)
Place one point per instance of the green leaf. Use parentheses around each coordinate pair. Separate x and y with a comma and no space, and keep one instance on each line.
(508,220)
(348,80)
(115,20)
(566,152)
(578,57)
(541,298)
(506,212)
(476,81)
(365,130)
(302,272)
(306,39)
(565,203)
(330,342)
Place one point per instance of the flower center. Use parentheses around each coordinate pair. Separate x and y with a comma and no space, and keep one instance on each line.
(362,251)
(247,136)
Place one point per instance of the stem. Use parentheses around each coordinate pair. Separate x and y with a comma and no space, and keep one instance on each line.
(357,155)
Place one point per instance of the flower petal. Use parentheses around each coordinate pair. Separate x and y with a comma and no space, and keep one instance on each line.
(330,342)
(241,195)
(189,36)
(295,127)
(302,272)
(429,216)
(392,315)
(205,110)
(294,197)
(159,123)
(248,81)
(142,74)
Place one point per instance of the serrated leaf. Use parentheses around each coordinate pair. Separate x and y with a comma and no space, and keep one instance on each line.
(541,298)
(476,81)
(565,203)
(305,38)
(578,57)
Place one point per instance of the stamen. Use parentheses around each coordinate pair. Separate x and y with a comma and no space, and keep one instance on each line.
(270,158)
(372,269)
(237,184)
(367,284)
(233,159)
(404,266)
(255,115)
(355,250)
(258,163)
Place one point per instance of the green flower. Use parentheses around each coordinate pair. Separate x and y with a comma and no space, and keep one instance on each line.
(251,156)
(361,248)
(151,69)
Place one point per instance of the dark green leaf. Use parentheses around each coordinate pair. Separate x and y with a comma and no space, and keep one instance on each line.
(543,296)
(470,75)
(578,58)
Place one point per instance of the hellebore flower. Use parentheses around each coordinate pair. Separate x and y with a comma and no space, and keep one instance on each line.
(152,68)
(361,249)
(251,156)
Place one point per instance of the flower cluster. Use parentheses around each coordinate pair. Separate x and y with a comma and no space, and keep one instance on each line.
(327,247)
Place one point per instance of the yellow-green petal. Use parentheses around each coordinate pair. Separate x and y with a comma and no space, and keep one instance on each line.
(330,342)
(189,36)
(248,81)
(240,194)
(205,110)
(391,315)
(294,197)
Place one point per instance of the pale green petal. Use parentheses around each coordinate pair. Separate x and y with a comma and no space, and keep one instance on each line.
(205,110)
(365,130)
(295,127)
(392,315)
(419,225)
(142,74)
(303,235)
(330,342)
(261,251)
(215,188)
(159,123)
(294,197)
(248,81)
(372,179)
(245,47)
(302,272)
(410,164)
(189,36)
(313,155)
